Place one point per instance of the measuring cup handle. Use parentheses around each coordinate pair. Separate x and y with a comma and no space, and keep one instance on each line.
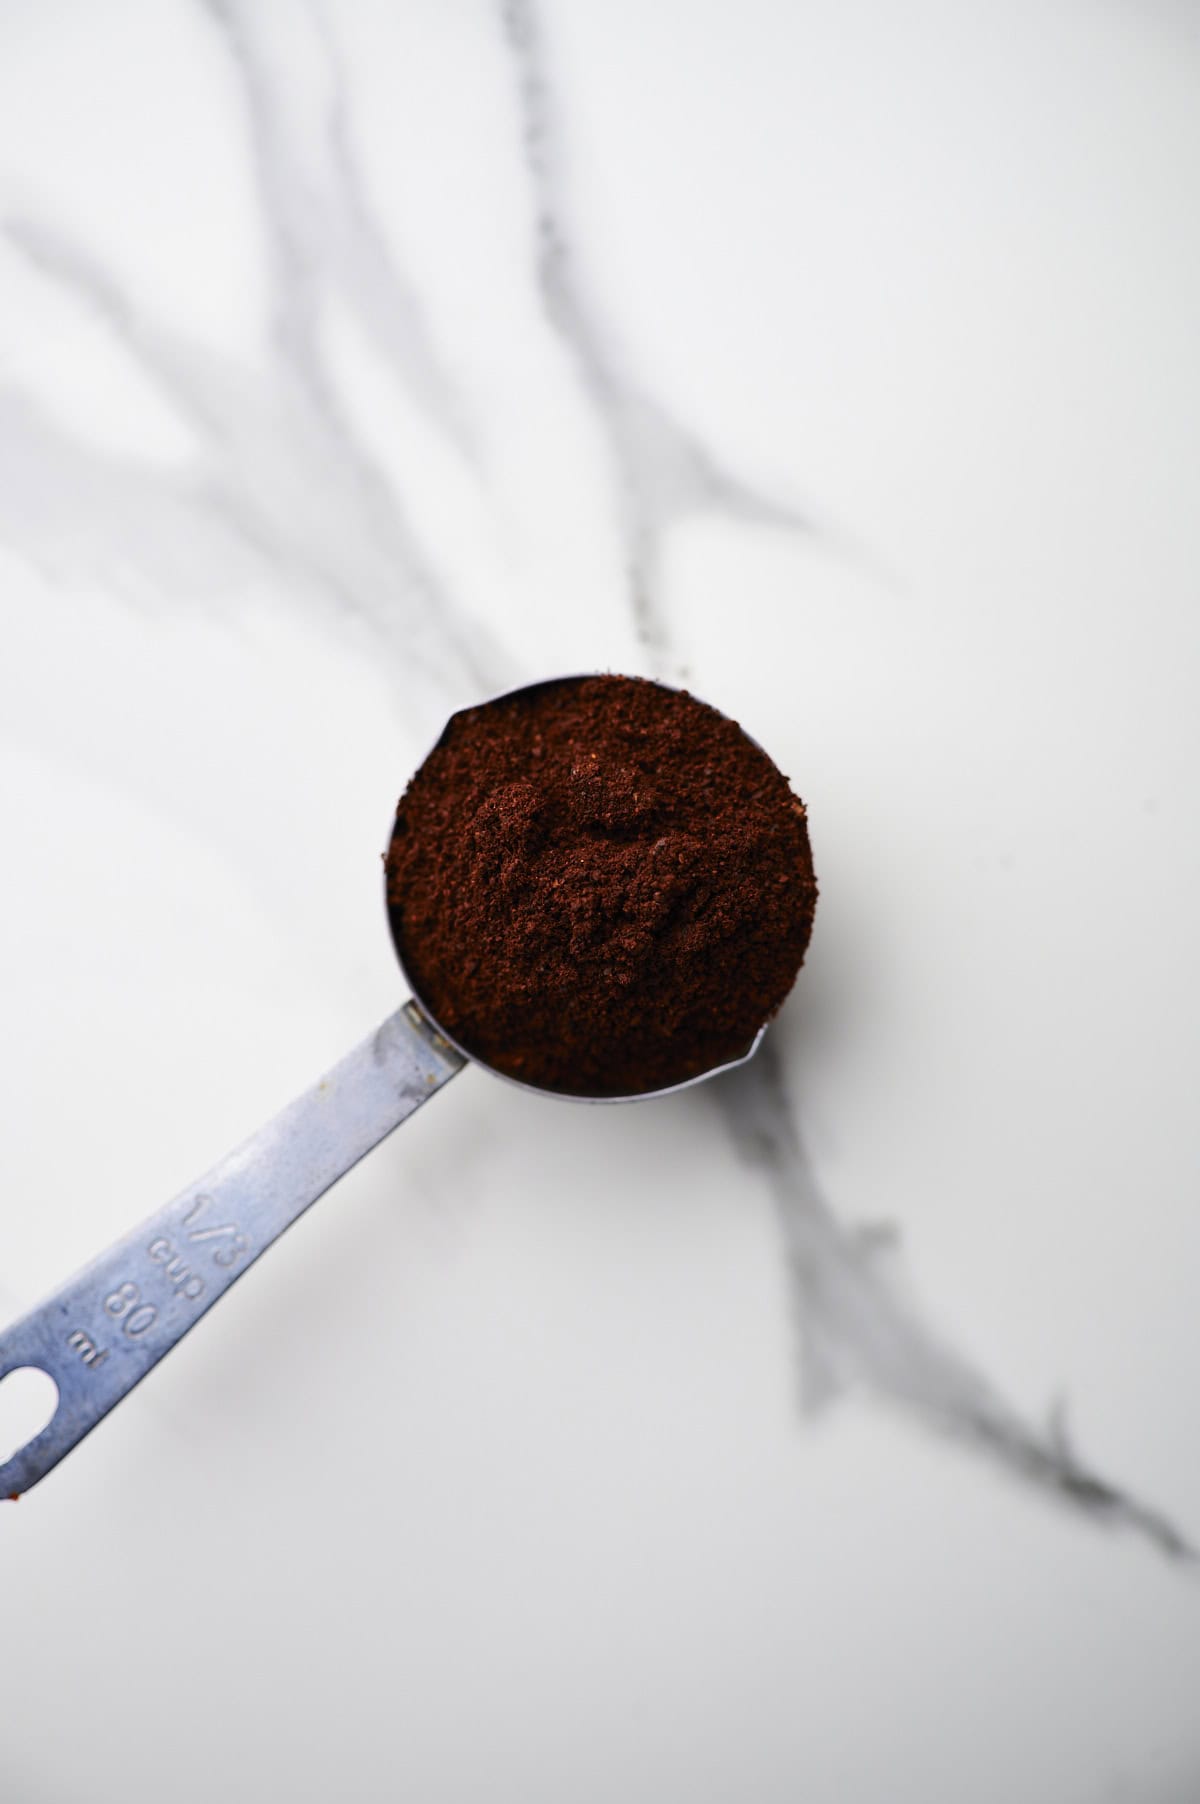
(103,1331)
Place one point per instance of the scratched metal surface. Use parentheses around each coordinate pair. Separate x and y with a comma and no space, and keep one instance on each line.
(108,1326)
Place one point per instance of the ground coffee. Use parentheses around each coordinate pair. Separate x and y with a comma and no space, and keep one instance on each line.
(600,885)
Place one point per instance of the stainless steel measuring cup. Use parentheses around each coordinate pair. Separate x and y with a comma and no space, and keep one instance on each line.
(99,1335)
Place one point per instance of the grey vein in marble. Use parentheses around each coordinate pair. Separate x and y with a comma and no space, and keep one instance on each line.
(662,469)
(266,435)
(322,232)
(858,1327)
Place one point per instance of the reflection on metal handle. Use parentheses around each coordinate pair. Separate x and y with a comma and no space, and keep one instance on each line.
(102,1332)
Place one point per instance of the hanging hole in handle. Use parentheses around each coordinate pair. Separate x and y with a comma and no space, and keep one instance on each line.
(28,1400)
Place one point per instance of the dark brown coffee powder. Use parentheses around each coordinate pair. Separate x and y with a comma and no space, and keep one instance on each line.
(600,886)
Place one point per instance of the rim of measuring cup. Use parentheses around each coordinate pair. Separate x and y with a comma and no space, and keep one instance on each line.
(687,1083)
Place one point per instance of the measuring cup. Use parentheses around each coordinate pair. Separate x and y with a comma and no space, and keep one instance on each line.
(99,1335)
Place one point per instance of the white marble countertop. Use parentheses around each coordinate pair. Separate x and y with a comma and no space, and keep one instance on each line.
(827,1433)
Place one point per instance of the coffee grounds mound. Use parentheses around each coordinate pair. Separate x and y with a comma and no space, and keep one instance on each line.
(600,886)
